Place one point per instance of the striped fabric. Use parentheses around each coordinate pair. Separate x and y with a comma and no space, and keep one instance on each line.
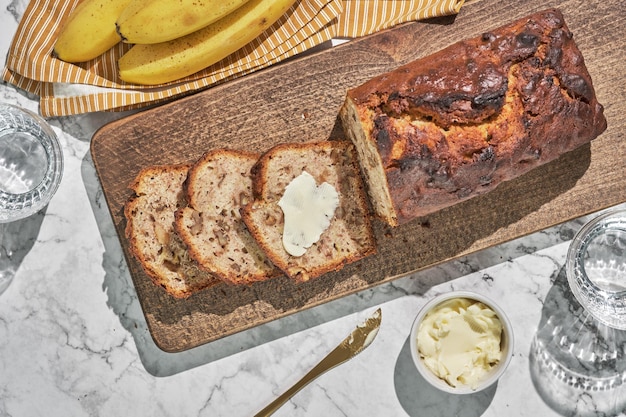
(67,89)
(363,17)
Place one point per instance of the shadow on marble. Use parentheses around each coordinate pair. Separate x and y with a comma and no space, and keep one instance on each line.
(577,364)
(420,399)
(16,240)
(83,127)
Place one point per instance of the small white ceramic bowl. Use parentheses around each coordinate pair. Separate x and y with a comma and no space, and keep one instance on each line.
(506,344)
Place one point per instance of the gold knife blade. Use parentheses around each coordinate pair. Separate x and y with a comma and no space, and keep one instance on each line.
(355,343)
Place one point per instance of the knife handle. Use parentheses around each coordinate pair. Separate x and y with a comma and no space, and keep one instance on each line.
(333,359)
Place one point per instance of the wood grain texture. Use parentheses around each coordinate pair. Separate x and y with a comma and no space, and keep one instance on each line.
(299,101)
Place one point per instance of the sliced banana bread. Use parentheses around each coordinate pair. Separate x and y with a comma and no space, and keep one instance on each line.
(218,185)
(456,124)
(349,236)
(150,231)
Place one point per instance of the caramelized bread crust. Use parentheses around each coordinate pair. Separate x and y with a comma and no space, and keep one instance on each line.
(458,123)
(349,236)
(150,231)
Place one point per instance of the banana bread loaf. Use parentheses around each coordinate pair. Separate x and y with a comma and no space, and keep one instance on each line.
(217,186)
(349,235)
(458,123)
(150,231)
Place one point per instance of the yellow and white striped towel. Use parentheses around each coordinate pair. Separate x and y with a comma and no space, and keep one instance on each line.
(67,89)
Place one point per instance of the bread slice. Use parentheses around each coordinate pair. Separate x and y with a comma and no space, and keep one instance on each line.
(150,231)
(218,185)
(349,236)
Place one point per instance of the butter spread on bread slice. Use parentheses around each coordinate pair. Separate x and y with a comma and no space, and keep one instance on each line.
(349,236)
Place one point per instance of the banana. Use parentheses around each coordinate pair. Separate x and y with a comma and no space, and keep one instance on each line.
(89,30)
(155,21)
(168,61)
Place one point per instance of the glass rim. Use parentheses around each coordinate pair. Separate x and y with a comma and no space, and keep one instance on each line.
(581,241)
(50,180)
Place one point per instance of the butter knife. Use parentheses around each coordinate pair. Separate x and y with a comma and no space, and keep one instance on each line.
(351,346)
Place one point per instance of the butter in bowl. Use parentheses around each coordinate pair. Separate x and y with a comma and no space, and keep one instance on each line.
(461,342)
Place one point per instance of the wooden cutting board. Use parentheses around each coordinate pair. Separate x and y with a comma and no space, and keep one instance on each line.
(299,100)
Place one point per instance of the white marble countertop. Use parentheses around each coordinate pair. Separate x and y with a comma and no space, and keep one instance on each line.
(74,342)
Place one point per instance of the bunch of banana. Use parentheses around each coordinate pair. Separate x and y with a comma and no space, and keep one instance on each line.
(172,38)
(168,61)
(154,21)
(89,30)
